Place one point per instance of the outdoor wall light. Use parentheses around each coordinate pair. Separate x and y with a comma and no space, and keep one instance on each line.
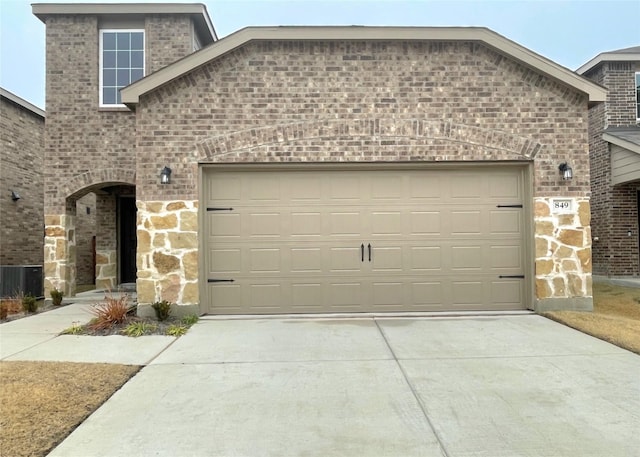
(165,175)
(15,196)
(565,171)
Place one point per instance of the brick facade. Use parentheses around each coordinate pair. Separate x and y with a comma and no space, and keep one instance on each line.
(21,155)
(614,208)
(92,149)
(337,101)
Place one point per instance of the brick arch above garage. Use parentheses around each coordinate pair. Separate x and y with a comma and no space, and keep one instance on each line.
(366,140)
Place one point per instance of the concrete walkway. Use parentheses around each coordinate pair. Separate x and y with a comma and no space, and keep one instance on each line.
(466,386)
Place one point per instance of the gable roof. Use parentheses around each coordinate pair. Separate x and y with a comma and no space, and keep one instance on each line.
(131,94)
(197,11)
(619,55)
(21,102)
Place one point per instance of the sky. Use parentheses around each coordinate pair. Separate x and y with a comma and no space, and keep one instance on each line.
(569,32)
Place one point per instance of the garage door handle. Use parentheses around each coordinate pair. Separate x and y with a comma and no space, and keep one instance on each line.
(369,246)
(362,252)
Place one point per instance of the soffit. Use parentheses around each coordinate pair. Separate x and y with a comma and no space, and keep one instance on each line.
(131,94)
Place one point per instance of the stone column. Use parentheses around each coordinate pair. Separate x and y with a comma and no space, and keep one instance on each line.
(167,257)
(563,256)
(59,252)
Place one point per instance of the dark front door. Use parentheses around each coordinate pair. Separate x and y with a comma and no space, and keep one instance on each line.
(128,242)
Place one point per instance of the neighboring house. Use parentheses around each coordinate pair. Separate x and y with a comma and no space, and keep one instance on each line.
(614,149)
(21,194)
(316,169)
(21,181)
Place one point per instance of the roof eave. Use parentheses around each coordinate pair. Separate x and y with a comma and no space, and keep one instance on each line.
(42,10)
(608,57)
(631,146)
(22,102)
(131,94)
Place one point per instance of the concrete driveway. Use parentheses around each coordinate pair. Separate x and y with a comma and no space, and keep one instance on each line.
(473,386)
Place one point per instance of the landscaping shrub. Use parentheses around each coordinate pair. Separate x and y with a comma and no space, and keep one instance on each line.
(189,319)
(162,309)
(29,303)
(140,328)
(112,311)
(56,297)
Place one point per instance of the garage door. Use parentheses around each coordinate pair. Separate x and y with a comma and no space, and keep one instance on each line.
(388,240)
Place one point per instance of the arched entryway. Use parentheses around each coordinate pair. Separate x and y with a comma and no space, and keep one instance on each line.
(95,237)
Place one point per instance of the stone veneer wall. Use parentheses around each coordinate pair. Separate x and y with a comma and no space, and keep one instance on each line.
(59,252)
(563,255)
(167,258)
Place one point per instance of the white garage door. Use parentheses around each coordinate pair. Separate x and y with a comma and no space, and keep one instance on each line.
(364,240)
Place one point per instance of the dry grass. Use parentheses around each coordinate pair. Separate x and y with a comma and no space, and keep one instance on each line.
(615,317)
(42,402)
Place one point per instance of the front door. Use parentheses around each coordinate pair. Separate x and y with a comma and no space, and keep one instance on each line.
(128,241)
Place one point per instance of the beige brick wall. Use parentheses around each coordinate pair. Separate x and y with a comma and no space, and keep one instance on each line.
(21,159)
(89,148)
(258,92)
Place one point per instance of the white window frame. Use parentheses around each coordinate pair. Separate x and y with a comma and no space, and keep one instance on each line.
(101,56)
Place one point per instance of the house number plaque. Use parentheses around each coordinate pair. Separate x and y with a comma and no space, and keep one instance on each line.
(562,205)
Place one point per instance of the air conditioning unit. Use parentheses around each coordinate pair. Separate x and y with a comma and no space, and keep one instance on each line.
(27,279)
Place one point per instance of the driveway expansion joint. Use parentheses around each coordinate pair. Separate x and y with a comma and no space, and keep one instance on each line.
(422,406)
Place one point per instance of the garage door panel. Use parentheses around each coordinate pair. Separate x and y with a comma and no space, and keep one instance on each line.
(467,292)
(306,224)
(387,186)
(227,226)
(263,188)
(427,258)
(506,257)
(263,225)
(428,295)
(306,260)
(388,295)
(426,186)
(293,241)
(426,223)
(345,259)
(507,293)
(308,297)
(345,224)
(467,222)
(386,223)
(265,260)
(466,258)
(386,258)
(305,189)
(224,261)
(466,186)
(506,222)
(505,186)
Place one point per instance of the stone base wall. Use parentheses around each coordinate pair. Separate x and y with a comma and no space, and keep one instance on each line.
(167,258)
(106,269)
(59,254)
(563,254)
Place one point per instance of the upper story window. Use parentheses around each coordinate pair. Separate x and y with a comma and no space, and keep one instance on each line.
(121,62)
(638,95)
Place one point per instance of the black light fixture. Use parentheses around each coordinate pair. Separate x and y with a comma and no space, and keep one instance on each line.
(565,171)
(165,175)
(15,196)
